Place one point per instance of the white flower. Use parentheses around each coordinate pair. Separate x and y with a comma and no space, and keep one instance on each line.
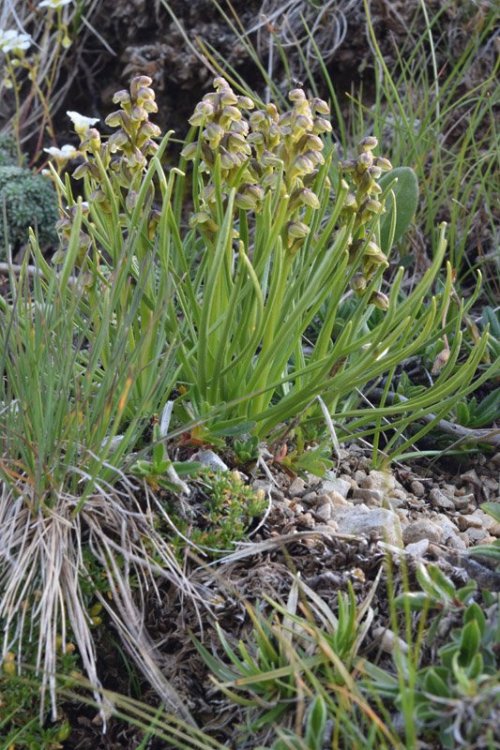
(81,123)
(65,153)
(54,4)
(14,41)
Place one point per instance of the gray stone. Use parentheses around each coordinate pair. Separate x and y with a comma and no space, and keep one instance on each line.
(210,459)
(341,486)
(462,502)
(324,512)
(368,496)
(440,500)
(418,549)
(485,520)
(335,498)
(417,488)
(383,481)
(476,535)
(361,520)
(469,521)
(494,529)
(451,537)
(393,502)
(305,521)
(310,498)
(423,529)
(359,477)
(297,487)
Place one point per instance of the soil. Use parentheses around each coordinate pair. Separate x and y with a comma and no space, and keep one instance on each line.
(143,38)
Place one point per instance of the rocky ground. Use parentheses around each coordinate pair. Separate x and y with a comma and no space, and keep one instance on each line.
(332,532)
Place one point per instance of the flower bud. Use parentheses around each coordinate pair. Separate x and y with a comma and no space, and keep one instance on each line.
(114,119)
(320,106)
(213,133)
(321,125)
(384,164)
(250,197)
(121,97)
(358,282)
(309,198)
(297,95)
(367,144)
(189,152)
(298,230)
(244,102)
(380,300)
(138,83)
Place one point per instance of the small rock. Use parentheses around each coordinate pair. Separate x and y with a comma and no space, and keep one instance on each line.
(210,459)
(340,486)
(393,501)
(451,537)
(469,521)
(494,529)
(486,520)
(423,529)
(462,502)
(417,549)
(417,488)
(399,493)
(490,483)
(361,520)
(312,480)
(402,514)
(383,481)
(310,498)
(471,477)
(324,512)
(305,521)
(335,498)
(297,487)
(496,459)
(389,641)
(295,506)
(440,500)
(476,535)
(359,477)
(370,497)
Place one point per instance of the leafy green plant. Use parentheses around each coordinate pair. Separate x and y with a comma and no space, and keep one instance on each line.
(473,413)
(21,726)
(220,513)
(402,205)
(160,471)
(295,666)
(453,694)
(348,407)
